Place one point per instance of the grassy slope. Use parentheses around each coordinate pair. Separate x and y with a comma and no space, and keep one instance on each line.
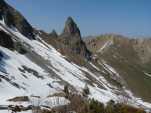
(122,56)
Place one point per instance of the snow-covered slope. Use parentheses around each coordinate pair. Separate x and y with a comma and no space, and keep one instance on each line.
(13,63)
(44,71)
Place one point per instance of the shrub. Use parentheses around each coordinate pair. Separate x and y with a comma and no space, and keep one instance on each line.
(20,48)
(78,104)
(122,108)
(66,91)
(110,108)
(86,90)
(96,107)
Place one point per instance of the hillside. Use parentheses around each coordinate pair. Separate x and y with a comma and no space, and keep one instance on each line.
(130,57)
(44,71)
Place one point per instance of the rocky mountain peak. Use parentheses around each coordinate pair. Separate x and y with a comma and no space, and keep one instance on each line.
(71,38)
(71,27)
(53,34)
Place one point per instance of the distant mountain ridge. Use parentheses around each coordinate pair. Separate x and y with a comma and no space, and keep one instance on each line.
(131,57)
(140,45)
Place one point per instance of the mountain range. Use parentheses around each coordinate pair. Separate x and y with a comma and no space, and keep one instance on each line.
(36,67)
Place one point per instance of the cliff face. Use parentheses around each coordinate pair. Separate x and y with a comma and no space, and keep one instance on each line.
(6,41)
(69,42)
(71,37)
(14,19)
(71,28)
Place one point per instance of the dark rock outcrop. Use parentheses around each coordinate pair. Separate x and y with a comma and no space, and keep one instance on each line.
(71,37)
(6,41)
(53,34)
(1,56)
(50,38)
(14,19)
(71,28)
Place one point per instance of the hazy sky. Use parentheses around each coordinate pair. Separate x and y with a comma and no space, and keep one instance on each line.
(127,17)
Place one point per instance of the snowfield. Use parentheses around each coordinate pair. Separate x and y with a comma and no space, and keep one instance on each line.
(23,77)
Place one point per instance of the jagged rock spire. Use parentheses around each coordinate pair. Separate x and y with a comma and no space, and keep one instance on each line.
(71,27)
(54,33)
(71,37)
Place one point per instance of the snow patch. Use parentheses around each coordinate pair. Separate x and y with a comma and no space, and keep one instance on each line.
(106,45)
(149,75)
(94,66)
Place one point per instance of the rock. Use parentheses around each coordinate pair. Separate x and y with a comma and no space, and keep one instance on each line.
(19,99)
(71,28)
(1,55)
(6,41)
(53,34)
(71,37)
(14,19)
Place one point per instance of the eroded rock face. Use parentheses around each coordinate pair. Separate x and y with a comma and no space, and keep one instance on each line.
(14,19)
(71,28)
(6,41)
(143,49)
(53,34)
(71,37)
